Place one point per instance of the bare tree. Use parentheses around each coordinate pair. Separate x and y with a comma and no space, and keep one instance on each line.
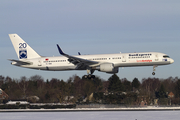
(23,85)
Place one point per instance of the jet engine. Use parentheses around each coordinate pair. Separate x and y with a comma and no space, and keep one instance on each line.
(108,68)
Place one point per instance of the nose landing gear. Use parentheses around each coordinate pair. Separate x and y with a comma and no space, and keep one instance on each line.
(154,69)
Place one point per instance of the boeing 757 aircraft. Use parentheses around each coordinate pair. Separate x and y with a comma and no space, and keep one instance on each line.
(108,63)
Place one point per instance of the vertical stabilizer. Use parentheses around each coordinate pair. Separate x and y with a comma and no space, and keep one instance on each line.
(23,50)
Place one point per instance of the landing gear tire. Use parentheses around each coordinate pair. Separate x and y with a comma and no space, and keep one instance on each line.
(153,73)
(85,76)
(93,76)
(89,76)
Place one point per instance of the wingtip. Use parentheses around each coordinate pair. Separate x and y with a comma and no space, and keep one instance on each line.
(60,50)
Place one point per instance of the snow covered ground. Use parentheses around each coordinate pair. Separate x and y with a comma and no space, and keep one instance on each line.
(148,108)
(92,115)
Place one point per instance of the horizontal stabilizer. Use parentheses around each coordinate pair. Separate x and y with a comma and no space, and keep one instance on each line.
(18,62)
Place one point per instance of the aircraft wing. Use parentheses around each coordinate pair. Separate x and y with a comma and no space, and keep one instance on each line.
(81,63)
(20,62)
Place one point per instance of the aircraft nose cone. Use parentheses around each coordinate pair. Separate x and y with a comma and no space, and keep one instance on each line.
(171,61)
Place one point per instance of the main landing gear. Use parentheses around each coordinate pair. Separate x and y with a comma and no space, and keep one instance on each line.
(154,69)
(89,76)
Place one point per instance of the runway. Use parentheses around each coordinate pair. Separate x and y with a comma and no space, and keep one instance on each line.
(92,115)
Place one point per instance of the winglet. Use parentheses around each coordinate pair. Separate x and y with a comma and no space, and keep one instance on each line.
(60,51)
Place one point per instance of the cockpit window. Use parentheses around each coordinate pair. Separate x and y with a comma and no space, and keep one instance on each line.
(166,56)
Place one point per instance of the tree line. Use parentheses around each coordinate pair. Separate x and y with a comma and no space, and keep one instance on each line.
(81,90)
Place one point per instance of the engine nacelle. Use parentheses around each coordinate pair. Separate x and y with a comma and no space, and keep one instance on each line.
(108,68)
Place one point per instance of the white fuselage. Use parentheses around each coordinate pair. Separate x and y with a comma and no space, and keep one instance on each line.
(108,63)
(119,60)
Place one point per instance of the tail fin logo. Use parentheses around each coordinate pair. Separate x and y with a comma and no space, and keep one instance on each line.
(22,51)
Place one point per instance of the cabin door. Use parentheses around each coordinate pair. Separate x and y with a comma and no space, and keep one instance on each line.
(156,57)
(39,62)
(123,58)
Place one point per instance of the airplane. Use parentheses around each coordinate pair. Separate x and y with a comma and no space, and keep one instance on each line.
(109,63)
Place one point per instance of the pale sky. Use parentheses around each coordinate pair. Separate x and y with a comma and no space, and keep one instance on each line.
(91,27)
